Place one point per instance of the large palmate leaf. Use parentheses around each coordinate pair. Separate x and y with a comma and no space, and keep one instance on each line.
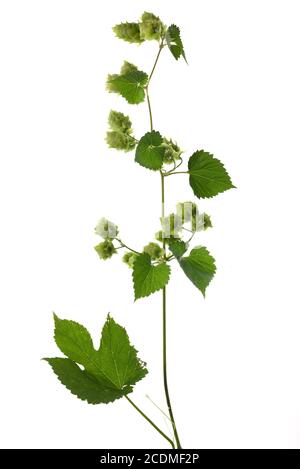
(174,42)
(148,278)
(149,152)
(199,266)
(108,373)
(130,85)
(208,177)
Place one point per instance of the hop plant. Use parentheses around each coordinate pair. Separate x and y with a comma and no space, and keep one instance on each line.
(129,258)
(106,229)
(151,27)
(154,251)
(112,371)
(105,250)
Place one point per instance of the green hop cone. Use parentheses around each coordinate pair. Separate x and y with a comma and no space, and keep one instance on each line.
(120,136)
(119,122)
(207,221)
(171,226)
(159,236)
(120,141)
(129,258)
(172,151)
(106,229)
(154,251)
(201,222)
(186,211)
(129,32)
(105,250)
(163,237)
(151,27)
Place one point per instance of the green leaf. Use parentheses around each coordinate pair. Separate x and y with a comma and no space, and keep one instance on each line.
(208,177)
(74,341)
(130,85)
(82,384)
(199,267)
(109,372)
(148,278)
(177,247)
(174,42)
(149,152)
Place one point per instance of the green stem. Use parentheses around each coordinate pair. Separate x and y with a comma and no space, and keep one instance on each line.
(165,375)
(123,245)
(164,297)
(149,108)
(161,46)
(177,172)
(150,421)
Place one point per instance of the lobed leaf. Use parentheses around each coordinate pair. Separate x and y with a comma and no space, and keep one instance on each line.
(82,384)
(109,372)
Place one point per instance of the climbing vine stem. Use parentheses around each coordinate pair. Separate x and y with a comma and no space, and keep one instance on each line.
(164,290)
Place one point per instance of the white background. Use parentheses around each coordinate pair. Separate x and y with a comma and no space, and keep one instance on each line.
(234,357)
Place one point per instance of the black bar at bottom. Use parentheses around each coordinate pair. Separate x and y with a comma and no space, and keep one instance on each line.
(90,458)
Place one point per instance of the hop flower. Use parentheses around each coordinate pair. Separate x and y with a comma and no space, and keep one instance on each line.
(154,251)
(164,237)
(129,258)
(187,211)
(151,27)
(159,236)
(106,229)
(129,32)
(119,122)
(120,141)
(201,222)
(171,226)
(120,137)
(105,250)
(172,151)
(207,221)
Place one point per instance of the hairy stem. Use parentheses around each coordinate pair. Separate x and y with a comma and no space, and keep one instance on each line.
(150,421)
